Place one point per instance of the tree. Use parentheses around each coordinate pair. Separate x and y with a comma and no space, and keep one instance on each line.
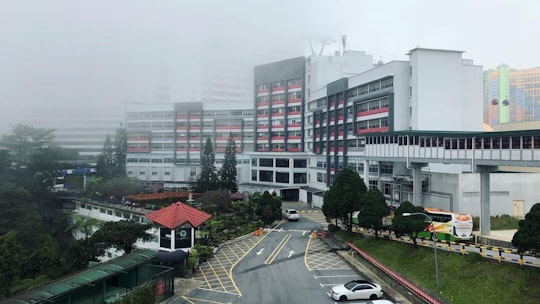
(86,225)
(118,187)
(11,261)
(208,179)
(408,225)
(120,150)
(372,210)
(105,165)
(214,202)
(528,235)
(228,171)
(25,143)
(345,195)
(121,235)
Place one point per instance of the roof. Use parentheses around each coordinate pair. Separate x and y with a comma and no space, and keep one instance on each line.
(160,196)
(178,214)
(83,279)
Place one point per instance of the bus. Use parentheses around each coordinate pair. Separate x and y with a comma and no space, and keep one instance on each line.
(449,226)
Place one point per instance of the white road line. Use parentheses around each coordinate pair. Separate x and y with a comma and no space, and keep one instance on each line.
(335,276)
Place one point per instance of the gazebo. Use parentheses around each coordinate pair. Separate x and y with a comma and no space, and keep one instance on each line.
(177,224)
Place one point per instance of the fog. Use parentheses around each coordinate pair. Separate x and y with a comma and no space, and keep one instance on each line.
(63,59)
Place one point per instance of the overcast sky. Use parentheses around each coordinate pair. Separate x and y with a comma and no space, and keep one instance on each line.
(102,52)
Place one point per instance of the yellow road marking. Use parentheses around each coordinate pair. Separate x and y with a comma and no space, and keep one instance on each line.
(276,251)
(234,265)
(306,254)
(202,300)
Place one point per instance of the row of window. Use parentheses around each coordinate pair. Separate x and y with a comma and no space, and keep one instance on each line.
(280,177)
(503,142)
(279,162)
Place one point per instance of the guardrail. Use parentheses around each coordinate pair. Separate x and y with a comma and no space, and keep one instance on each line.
(420,293)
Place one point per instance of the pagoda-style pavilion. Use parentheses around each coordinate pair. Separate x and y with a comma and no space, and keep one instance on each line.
(177,224)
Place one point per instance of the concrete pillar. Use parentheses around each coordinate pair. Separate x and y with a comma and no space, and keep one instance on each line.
(418,198)
(485,220)
(366,173)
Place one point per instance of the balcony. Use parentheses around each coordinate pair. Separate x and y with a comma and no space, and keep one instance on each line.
(194,150)
(263,91)
(181,149)
(294,113)
(295,125)
(278,114)
(228,127)
(278,138)
(263,104)
(181,117)
(293,100)
(195,117)
(294,149)
(220,150)
(138,139)
(194,139)
(372,130)
(278,102)
(262,115)
(278,126)
(265,138)
(181,139)
(181,128)
(278,149)
(278,88)
(371,112)
(340,102)
(263,149)
(295,86)
(138,150)
(262,127)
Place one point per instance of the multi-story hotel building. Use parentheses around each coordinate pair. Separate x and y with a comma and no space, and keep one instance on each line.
(511,96)
(296,144)
(165,140)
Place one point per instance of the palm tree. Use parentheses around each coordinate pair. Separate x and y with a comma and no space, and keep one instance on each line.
(86,225)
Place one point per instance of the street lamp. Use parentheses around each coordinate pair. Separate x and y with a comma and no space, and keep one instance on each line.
(433,237)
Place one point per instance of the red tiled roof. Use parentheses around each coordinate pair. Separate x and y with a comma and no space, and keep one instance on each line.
(177,214)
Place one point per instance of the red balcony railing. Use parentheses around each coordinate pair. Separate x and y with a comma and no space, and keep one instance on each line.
(295,113)
(138,149)
(295,86)
(372,130)
(228,127)
(278,114)
(263,104)
(292,100)
(262,138)
(371,112)
(340,102)
(278,102)
(181,116)
(294,149)
(294,137)
(262,91)
(278,137)
(278,126)
(278,88)
(262,115)
(295,125)
(278,149)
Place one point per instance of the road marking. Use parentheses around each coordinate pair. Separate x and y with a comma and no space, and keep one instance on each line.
(260,251)
(276,251)
(324,285)
(335,276)
(291,253)
(202,300)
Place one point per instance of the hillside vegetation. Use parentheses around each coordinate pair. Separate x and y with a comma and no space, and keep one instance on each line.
(463,278)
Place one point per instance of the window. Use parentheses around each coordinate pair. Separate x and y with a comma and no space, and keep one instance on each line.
(300,163)
(266,162)
(282,163)
(266,176)
(282,177)
(410,91)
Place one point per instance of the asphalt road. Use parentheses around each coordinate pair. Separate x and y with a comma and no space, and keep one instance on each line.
(284,265)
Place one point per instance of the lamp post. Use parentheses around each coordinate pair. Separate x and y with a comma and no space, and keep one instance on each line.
(433,237)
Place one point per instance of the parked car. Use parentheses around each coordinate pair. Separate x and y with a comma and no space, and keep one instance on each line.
(292,215)
(355,290)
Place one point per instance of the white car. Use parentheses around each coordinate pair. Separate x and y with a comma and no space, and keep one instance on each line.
(292,215)
(355,290)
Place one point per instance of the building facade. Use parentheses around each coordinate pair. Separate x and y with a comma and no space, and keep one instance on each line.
(511,96)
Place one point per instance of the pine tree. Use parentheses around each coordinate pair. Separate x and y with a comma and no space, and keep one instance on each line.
(120,149)
(106,160)
(208,179)
(228,171)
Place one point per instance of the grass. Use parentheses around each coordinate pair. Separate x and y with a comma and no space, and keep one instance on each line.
(463,278)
